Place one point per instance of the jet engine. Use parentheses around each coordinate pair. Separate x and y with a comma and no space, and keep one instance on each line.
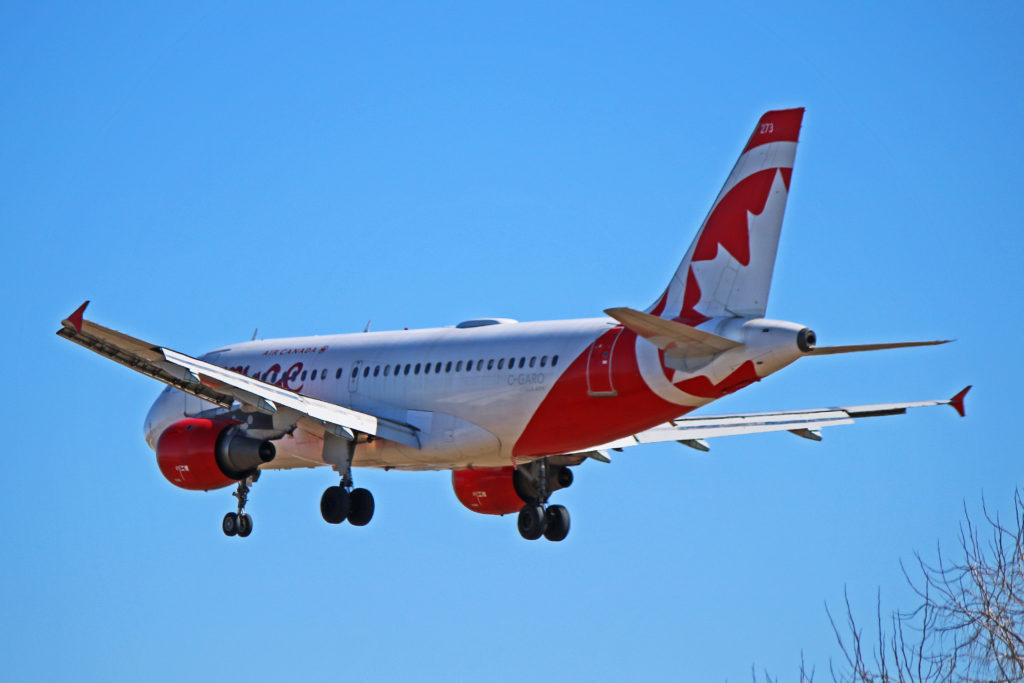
(487,490)
(201,454)
(503,490)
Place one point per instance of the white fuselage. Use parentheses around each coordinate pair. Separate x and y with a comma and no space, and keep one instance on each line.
(471,392)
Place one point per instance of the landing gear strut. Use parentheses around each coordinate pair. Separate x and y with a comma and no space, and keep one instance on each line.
(239,523)
(342,502)
(534,483)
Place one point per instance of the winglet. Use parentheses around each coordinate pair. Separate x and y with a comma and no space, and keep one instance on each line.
(958,401)
(75,319)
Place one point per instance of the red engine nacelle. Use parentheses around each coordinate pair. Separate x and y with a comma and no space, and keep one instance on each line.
(200,454)
(487,490)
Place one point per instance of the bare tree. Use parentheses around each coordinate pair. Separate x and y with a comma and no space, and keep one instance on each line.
(968,624)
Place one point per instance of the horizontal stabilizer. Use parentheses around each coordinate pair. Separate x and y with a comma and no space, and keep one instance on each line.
(676,339)
(856,348)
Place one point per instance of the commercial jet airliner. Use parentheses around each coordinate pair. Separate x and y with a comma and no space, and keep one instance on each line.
(509,407)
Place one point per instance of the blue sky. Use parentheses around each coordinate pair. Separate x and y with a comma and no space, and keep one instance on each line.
(201,170)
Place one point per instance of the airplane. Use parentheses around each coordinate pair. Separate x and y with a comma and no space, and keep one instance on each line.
(509,407)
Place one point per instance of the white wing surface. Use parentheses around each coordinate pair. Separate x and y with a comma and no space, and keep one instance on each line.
(226,387)
(692,431)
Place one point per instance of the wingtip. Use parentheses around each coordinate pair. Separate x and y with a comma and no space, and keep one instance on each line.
(75,319)
(958,401)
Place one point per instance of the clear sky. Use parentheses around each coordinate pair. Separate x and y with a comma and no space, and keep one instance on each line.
(198,170)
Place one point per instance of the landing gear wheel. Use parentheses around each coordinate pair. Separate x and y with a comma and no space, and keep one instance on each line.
(565,477)
(531,522)
(556,518)
(244,525)
(334,505)
(230,524)
(360,510)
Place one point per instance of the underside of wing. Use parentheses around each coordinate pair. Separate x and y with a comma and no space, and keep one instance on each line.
(227,388)
(692,431)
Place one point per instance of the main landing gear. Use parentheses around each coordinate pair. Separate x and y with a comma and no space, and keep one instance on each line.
(239,523)
(342,502)
(534,483)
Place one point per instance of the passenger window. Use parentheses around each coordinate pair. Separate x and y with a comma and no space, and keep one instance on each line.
(337,375)
(458,366)
(554,360)
(522,361)
(448,368)
(426,369)
(437,367)
(376,370)
(408,367)
(323,374)
(303,376)
(469,365)
(533,359)
(511,363)
(490,364)
(543,361)
(417,369)
(479,365)
(355,371)
(501,363)
(387,369)
(366,371)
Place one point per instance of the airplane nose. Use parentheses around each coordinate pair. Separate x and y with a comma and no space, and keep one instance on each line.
(168,408)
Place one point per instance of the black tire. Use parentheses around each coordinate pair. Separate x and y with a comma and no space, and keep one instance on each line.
(557,519)
(334,505)
(531,522)
(229,525)
(361,507)
(244,525)
(565,477)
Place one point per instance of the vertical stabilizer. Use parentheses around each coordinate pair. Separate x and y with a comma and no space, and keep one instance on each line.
(728,269)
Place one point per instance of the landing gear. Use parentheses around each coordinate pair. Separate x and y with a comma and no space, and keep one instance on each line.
(338,504)
(556,523)
(360,507)
(531,522)
(534,483)
(342,502)
(334,505)
(239,523)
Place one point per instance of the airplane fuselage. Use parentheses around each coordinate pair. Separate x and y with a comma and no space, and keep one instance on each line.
(491,393)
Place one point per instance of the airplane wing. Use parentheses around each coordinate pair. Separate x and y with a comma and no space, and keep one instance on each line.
(226,387)
(692,431)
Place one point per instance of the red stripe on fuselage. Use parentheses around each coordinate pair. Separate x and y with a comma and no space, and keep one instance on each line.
(569,419)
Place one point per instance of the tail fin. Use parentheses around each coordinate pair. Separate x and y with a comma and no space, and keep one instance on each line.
(728,268)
